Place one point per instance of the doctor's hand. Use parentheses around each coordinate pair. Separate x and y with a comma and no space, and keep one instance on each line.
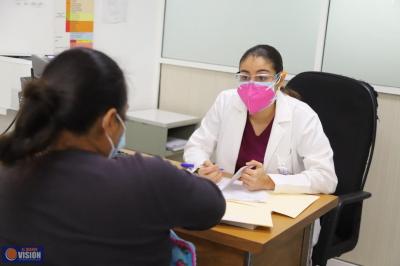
(255,178)
(210,171)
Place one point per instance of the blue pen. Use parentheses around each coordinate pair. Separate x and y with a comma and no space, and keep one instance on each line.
(191,166)
(187,165)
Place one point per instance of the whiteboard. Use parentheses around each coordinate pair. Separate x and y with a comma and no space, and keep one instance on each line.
(136,45)
(26,27)
(132,39)
(219,32)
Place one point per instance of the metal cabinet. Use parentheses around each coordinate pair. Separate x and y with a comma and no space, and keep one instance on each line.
(149,130)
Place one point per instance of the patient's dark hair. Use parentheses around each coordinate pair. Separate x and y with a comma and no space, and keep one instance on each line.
(76,88)
(272,55)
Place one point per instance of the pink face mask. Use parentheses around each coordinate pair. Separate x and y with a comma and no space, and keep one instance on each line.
(257,96)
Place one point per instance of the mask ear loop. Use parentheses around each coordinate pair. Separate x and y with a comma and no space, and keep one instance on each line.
(121,121)
(111,144)
(109,138)
(280,74)
(277,81)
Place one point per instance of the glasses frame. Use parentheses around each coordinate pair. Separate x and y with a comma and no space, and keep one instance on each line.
(264,77)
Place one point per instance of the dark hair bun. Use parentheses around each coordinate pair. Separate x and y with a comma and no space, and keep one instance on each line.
(76,88)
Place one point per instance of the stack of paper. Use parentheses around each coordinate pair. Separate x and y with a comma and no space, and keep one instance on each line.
(247,215)
(253,208)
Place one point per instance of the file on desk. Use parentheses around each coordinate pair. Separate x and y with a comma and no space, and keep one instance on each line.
(250,209)
(290,204)
(247,215)
(250,214)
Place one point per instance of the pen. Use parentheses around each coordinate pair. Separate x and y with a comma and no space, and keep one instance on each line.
(187,165)
(191,165)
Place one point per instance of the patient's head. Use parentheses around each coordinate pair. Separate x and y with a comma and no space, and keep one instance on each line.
(76,103)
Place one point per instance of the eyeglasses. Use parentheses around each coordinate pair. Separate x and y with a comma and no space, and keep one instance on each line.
(244,77)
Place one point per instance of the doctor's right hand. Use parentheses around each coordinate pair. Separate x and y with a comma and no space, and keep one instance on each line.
(255,178)
(210,171)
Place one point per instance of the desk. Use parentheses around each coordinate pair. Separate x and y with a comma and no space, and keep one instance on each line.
(287,243)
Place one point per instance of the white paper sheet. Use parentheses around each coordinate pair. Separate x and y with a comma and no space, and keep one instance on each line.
(233,189)
(226,182)
(238,192)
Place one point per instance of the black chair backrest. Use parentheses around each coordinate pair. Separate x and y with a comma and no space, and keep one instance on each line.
(347,110)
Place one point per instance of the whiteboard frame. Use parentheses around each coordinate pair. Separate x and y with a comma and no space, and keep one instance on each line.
(320,46)
(198,65)
(319,54)
(160,34)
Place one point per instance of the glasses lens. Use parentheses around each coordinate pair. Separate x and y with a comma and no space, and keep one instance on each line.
(263,78)
(242,77)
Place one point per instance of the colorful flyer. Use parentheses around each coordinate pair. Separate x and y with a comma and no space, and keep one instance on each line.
(79,22)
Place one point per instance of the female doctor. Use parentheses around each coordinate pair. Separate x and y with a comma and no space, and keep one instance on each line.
(260,125)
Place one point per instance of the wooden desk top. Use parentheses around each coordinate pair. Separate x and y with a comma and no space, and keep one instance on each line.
(259,238)
(256,240)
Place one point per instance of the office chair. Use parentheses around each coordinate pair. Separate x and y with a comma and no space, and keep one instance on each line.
(347,109)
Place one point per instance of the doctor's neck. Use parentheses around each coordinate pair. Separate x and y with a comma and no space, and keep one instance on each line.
(264,116)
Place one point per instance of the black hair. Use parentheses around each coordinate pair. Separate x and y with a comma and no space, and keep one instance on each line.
(76,88)
(267,52)
(272,55)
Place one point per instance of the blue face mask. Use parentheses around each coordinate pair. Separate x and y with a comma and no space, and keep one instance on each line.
(269,84)
(121,143)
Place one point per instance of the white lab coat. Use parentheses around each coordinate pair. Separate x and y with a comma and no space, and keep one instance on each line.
(299,158)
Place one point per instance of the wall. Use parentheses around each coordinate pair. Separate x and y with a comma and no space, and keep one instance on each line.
(192,91)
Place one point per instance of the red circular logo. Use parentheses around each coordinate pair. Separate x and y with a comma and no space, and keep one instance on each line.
(11,254)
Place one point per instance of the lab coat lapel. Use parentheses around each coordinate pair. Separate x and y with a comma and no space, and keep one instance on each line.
(281,126)
(238,123)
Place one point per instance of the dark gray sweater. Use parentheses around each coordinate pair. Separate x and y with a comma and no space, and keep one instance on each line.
(85,209)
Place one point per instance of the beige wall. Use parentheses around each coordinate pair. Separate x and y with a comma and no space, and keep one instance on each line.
(192,91)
